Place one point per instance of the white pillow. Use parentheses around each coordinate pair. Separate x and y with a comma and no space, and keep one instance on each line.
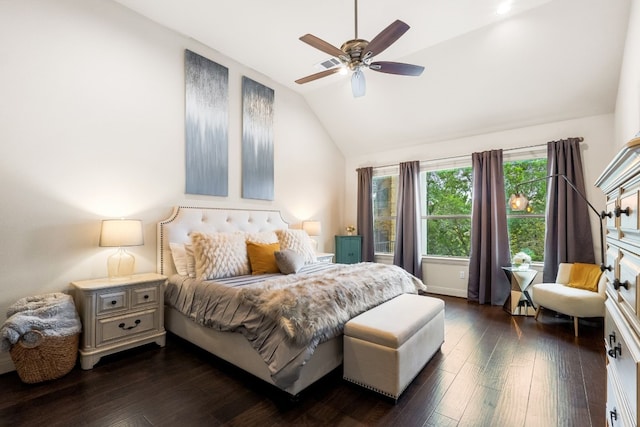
(183,259)
(220,255)
(262,237)
(179,255)
(298,241)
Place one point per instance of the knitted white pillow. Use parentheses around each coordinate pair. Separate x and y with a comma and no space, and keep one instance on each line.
(220,255)
(262,237)
(298,241)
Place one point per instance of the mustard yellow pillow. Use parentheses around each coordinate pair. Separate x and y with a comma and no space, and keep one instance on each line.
(584,276)
(262,258)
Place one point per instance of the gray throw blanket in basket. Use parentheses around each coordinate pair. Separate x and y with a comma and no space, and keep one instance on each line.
(51,315)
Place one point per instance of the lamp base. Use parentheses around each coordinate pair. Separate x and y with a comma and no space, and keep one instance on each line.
(120,264)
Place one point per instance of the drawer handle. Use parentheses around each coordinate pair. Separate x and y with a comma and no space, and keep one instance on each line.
(617,284)
(619,211)
(146,297)
(605,214)
(616,351)
(613,415)
(605,267)
(137,322)
(612,338)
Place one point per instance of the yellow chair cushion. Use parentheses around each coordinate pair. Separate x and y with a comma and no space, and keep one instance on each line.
(261,257)
(584,276)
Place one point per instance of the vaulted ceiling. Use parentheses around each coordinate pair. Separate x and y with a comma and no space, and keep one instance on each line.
(544,61)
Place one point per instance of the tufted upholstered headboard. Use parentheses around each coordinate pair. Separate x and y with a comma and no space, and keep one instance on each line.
(185,219)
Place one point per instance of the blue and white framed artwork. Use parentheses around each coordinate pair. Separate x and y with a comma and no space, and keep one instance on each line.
(257,140)
(206,126)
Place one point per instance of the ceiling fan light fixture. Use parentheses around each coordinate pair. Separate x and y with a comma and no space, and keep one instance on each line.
(358,83)
(343,71)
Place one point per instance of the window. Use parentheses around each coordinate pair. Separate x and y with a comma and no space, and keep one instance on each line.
(446,214)
(526,228)
(385,191)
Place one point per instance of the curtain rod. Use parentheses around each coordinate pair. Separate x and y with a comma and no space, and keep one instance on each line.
(579,138)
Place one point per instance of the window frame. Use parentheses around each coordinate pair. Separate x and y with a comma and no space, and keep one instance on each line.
(509,155)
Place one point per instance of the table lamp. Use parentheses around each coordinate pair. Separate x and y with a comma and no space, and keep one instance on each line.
(313,229)
(121,233)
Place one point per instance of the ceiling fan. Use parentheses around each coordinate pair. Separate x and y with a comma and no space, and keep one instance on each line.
(357,54)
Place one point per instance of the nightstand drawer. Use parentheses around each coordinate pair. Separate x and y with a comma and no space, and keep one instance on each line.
(145,296)
(115,328)
(111,302)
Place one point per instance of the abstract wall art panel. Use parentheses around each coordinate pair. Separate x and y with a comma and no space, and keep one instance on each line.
(257,140)
(206,126)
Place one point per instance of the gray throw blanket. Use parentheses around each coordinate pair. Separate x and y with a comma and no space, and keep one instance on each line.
(286,317)
(319,306)
(51,315)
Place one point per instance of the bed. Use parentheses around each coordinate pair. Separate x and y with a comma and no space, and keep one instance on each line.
(191,319)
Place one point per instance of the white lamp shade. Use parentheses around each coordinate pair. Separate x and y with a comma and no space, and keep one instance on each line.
(358,83)
(121,232)
(518,202)
(313,228)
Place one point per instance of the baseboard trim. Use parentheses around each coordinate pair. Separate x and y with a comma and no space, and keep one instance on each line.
(446,291)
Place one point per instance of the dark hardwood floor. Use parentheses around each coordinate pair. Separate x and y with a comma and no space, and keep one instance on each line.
(493,370)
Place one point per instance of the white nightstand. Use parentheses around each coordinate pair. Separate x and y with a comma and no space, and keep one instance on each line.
(118,314)
(324,257)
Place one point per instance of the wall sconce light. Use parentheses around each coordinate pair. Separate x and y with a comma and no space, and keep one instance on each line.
(121,233)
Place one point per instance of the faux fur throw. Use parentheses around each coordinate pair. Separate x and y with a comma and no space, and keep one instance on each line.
(319,305)
(50,314)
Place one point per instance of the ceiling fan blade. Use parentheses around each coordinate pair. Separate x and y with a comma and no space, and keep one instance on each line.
(396,68)
(319,75)
(321,45)
(385,39)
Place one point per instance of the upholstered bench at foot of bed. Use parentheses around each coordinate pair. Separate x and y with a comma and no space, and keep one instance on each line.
(386,347)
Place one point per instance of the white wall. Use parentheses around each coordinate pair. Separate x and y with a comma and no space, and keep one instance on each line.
(627,123)
(92,127)
(443,275)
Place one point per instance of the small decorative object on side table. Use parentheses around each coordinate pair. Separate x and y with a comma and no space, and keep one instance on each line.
(119,314)
(324,257)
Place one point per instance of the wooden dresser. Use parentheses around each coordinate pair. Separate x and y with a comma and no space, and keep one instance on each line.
(620,182)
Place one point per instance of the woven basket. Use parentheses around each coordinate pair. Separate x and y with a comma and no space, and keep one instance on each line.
(46,359)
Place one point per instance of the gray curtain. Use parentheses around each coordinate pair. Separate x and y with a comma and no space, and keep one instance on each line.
(568,235)
(407,253)
(364,220)
(487,282)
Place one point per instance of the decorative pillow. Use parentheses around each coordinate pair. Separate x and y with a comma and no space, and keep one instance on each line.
(191,261)
(183,259)
(220,255)
(298,241)
(179,255)
(262,237)
(584,276)
(288,261)
(261,257)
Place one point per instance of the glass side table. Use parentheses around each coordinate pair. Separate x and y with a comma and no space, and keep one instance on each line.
(519,302)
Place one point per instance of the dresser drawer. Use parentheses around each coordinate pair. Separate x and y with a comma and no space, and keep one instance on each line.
(629,230)
(628,271)
(115,328)
(623,356)
(112,301)
(617,414)
(143,296)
